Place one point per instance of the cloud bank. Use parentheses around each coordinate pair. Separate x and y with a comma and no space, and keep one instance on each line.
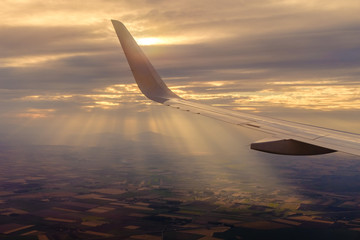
(60,58)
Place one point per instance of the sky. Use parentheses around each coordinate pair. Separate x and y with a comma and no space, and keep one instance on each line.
(65,80)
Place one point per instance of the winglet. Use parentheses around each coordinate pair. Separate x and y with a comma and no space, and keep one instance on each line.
(146,77)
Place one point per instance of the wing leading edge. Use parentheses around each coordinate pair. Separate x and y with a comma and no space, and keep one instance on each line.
(288,138)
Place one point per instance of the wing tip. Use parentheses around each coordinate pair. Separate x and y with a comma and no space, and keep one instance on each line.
(117,24)
(116,21)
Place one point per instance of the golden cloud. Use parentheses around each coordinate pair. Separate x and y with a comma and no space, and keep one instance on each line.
(35,113)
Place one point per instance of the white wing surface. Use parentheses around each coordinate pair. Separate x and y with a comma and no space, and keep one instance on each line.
(288,138)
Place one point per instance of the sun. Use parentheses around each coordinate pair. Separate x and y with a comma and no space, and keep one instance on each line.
(149,41)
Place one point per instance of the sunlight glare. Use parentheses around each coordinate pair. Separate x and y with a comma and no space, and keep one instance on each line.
(150,41)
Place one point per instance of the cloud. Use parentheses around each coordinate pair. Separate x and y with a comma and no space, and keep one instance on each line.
(250,55)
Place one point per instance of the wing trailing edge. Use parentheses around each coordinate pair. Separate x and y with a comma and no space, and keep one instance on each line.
(290,138)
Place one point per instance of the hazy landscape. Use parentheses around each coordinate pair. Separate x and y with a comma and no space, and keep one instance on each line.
(138,191)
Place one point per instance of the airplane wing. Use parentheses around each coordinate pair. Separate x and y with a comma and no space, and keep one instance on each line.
(288,138)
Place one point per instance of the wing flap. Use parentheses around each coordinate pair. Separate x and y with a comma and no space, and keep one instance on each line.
(289,147)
